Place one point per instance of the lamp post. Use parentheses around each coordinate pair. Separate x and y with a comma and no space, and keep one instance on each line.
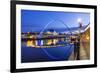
(79,38)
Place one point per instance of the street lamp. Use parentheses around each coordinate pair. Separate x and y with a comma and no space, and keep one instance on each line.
(79,20)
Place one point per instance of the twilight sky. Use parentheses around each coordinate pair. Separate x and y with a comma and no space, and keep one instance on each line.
(35,20)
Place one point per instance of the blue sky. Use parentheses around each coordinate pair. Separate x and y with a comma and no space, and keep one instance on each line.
(34,20)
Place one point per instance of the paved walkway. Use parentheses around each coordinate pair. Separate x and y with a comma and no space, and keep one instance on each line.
(84,51)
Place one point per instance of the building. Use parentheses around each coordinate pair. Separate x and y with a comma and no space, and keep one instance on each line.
(53,38)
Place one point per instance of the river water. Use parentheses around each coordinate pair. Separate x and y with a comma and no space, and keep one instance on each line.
(59,53)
